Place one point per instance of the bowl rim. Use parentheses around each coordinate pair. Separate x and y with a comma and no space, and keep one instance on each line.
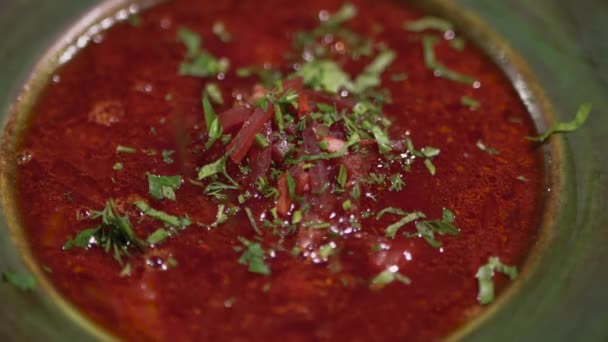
(104,15)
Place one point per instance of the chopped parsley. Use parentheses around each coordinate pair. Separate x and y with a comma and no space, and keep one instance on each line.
(469,102)
(125,149)
(117,167)
(217,167)
(324,75)
(161,187)
(440,70)
(167,156)
(214,127)
(261,141)
(485,276)
(214,92)
(427,229)
(21,280)
(397,182)
(253,257)
(169,220)
(327,75)
(266,189)
(345,13)
(327,250)
(392,229)
(158,236)
(428,152)
(429,23)
(489,150)
(252,221)
(114,234)
(387,277)
(565,127)
(199,62)
(370,77)
(342,178)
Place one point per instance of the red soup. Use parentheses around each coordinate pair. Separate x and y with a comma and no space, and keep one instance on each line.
(304,170)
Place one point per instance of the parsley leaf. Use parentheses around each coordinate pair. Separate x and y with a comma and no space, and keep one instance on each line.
(324,75)
(565,127)
(440,70)
(161,187)
(370,77)
(167,156)
(214,126)
(489,150)
(158,236)
(387,277)
(199,62)
(114,234)
(266,189)
(397,182)
(21,280)
(391,230)
(125,149)
(429,23)
(169,220)
(345,13)
(485,275)
(253,256)
(469,102)
(218,166)
(427,229)
(214,92)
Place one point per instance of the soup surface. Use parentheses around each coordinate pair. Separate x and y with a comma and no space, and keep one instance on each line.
(308,170)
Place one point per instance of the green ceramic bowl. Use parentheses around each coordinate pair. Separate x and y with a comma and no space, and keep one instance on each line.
(553,51)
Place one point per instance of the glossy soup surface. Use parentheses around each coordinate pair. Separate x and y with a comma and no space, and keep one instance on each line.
(125,89)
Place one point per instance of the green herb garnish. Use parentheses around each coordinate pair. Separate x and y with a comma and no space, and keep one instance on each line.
(167,156)
(158,236)
(115,234)
(489,150)
(214,127)
(261,140)
(266,189)
(440,70)
(565,127)
(469,102)
(253,256)
(427,229)
(169,220)
(125,149)
(370,77)
(485,276)
(161,187)
(392,229)
(21,280)
(214,92)
(397,182)
(252,221)
(324,75)
(429,23)
(199,62)
(387,277)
